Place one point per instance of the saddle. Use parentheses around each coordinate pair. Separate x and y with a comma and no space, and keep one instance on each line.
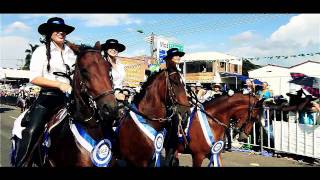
(57,118)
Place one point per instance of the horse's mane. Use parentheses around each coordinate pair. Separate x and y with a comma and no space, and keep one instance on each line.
(83,47)
(138,97)
(222,98)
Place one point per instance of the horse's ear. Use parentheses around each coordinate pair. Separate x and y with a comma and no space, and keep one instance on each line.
(97,45)
(75,48)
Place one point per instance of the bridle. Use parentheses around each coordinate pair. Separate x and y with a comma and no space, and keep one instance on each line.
(251,107)
(173,107)
(84,88)
(196,104)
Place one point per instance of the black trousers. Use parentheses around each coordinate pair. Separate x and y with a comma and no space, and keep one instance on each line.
(35,120)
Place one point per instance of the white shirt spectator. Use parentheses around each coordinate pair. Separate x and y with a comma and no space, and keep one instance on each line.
(38,64)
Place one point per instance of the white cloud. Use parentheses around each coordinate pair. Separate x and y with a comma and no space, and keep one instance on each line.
(301,34)
(244,36)
(100,20)
(11,49)
(17,26)
(303,30)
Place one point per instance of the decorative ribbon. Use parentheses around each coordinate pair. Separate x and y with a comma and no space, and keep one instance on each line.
(156,137)
(215,147)
(100,152)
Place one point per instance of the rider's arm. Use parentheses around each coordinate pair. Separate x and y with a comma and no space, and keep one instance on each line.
(38,64)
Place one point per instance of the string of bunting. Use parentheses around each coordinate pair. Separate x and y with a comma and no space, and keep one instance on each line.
(265,57)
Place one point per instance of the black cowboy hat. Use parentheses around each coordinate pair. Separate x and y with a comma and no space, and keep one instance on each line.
(173,52)
(114,44)
(53,24)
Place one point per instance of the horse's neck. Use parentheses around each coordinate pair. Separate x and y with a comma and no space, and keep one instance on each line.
(151,104)
(82,111)
(225,110)
(151,96)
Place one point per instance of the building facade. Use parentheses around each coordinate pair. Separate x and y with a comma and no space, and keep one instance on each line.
(204,67)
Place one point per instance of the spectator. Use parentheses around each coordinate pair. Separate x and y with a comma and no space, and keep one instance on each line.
(200,92)
(250,87)
(265,92)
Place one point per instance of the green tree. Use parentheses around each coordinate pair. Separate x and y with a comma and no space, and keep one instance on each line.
(247,66)
(29,55)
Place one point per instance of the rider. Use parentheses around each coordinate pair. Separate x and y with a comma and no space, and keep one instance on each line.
(111,49)
(47,59)
(173,56)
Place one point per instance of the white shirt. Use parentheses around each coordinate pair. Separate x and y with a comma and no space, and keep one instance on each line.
(38,63)
(118,75)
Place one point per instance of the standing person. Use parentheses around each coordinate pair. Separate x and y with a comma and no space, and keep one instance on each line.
(249,87)
(200,92)
(46,59)
(111,49)
(265,92)
(217,90)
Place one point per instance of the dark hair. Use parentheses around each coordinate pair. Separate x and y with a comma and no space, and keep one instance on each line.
(46,41)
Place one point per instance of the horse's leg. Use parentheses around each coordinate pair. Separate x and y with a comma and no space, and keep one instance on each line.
(220,160)
(197,159)
(175,161)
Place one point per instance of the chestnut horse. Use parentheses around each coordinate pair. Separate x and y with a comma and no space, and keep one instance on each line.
(86,115)
(162,97)
(244,109)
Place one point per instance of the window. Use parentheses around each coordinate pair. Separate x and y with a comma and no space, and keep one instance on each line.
(200,66)
(235,68)
(222,64)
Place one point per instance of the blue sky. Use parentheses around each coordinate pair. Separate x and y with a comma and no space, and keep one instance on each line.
(242,35)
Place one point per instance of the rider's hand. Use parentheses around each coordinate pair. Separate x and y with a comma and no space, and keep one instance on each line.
(65,88)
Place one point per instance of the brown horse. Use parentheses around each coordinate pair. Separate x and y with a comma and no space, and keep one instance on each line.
(162,96)
(245,109)
(91,105)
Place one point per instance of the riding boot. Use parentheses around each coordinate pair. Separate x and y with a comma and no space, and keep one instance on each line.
(30,134)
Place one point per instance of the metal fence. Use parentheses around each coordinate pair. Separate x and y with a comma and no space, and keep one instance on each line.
(288,132)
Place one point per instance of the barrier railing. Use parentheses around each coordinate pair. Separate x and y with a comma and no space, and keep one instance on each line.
(289,132)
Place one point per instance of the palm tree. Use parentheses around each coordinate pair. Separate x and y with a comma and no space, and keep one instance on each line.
(29,55)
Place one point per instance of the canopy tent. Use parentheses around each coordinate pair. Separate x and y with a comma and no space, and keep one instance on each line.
(238,77)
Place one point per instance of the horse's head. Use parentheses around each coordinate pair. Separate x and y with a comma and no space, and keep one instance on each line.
(249,112)
(92,82)
(164,95)
(177,89)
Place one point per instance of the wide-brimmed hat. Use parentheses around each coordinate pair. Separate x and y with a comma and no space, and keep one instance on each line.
(198,84)
(113,44)
(217,85)
(54,24)
(173,52)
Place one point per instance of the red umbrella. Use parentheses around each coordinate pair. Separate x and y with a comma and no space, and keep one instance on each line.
(310,84)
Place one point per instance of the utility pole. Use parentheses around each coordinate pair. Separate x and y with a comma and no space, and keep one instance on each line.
(152,44)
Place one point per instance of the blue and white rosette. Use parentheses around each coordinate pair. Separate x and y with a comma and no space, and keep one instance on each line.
(158,146)
(214,151)
(101,154)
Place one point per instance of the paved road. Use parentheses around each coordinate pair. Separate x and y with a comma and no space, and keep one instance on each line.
(230,159)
